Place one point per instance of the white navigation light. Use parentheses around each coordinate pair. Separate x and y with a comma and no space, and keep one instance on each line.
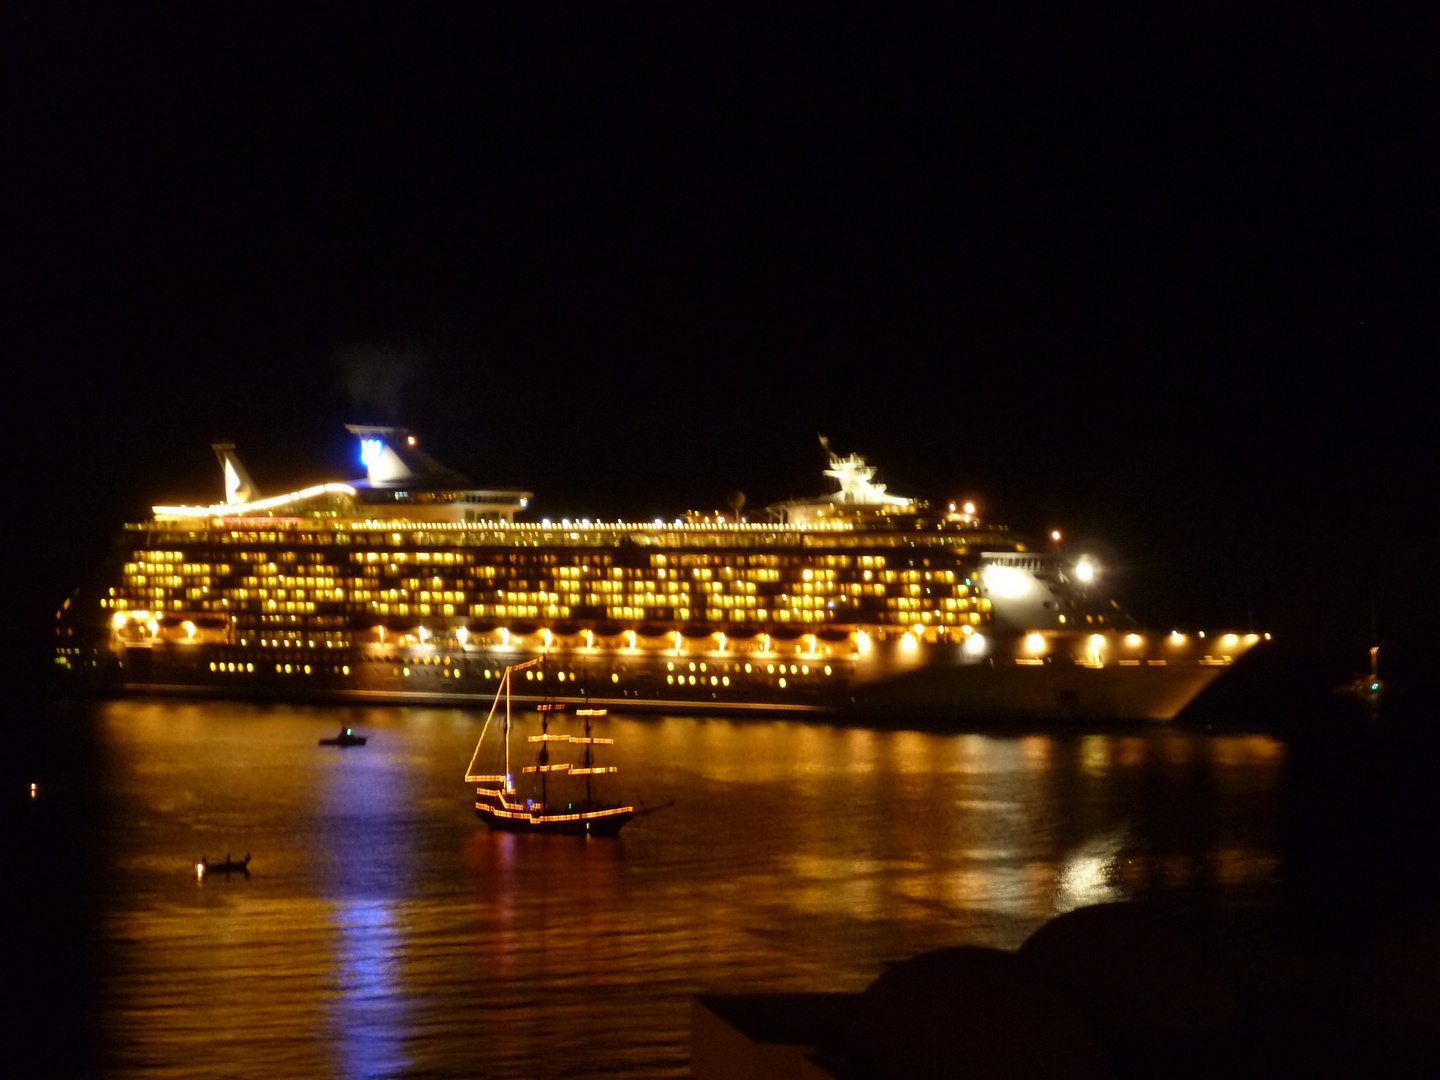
(969,508)
(1055,535)
(1006,581)
(1085,570)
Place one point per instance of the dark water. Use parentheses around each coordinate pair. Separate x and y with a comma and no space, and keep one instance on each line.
(383,931)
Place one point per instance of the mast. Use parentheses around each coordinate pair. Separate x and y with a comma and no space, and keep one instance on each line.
(543,758)
(587,760)
(1374,648)
(505,687)
(587,756)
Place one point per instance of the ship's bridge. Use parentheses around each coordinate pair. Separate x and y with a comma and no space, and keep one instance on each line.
(1030,590)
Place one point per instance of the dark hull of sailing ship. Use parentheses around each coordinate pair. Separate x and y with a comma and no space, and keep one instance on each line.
(498,812)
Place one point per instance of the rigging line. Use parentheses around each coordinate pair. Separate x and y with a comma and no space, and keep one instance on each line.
(504,688)
(470,769)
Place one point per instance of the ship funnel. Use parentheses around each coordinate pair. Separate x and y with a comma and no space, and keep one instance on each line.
(239,488)
(392,457)
(382,464)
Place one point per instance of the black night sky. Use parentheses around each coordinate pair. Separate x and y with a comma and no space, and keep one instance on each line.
(1166,280)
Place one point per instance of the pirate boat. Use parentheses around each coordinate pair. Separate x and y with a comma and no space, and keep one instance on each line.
(554,803)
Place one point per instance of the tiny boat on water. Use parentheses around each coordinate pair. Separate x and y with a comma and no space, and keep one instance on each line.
(347,737)
(229,866)
(1370,690)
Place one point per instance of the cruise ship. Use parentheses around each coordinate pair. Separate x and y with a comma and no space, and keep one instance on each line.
(415,585)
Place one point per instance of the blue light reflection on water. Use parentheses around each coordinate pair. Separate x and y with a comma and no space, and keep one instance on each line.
(369,1015)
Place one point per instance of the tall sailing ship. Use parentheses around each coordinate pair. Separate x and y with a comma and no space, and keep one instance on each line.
(499,802)
(413,584)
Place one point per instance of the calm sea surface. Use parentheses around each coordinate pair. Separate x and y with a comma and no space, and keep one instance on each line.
(382,931)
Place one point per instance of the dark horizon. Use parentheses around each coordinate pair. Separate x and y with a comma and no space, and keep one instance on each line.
(1164,281)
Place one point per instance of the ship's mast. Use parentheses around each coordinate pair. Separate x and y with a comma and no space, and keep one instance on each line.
(509,786)
(543,758)
(587,760)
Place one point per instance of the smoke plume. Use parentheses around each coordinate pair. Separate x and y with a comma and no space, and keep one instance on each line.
(375,376)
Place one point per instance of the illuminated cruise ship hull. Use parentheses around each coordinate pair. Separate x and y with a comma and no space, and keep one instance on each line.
(894,678)
(417,588)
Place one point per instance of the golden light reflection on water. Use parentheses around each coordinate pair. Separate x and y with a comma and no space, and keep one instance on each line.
(1095,754)
(1130,751)
(383,931)
(1089,873)
(1035,750)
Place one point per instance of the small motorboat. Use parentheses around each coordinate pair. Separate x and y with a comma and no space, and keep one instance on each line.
(1370,690)
(347,737)
(229,866)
